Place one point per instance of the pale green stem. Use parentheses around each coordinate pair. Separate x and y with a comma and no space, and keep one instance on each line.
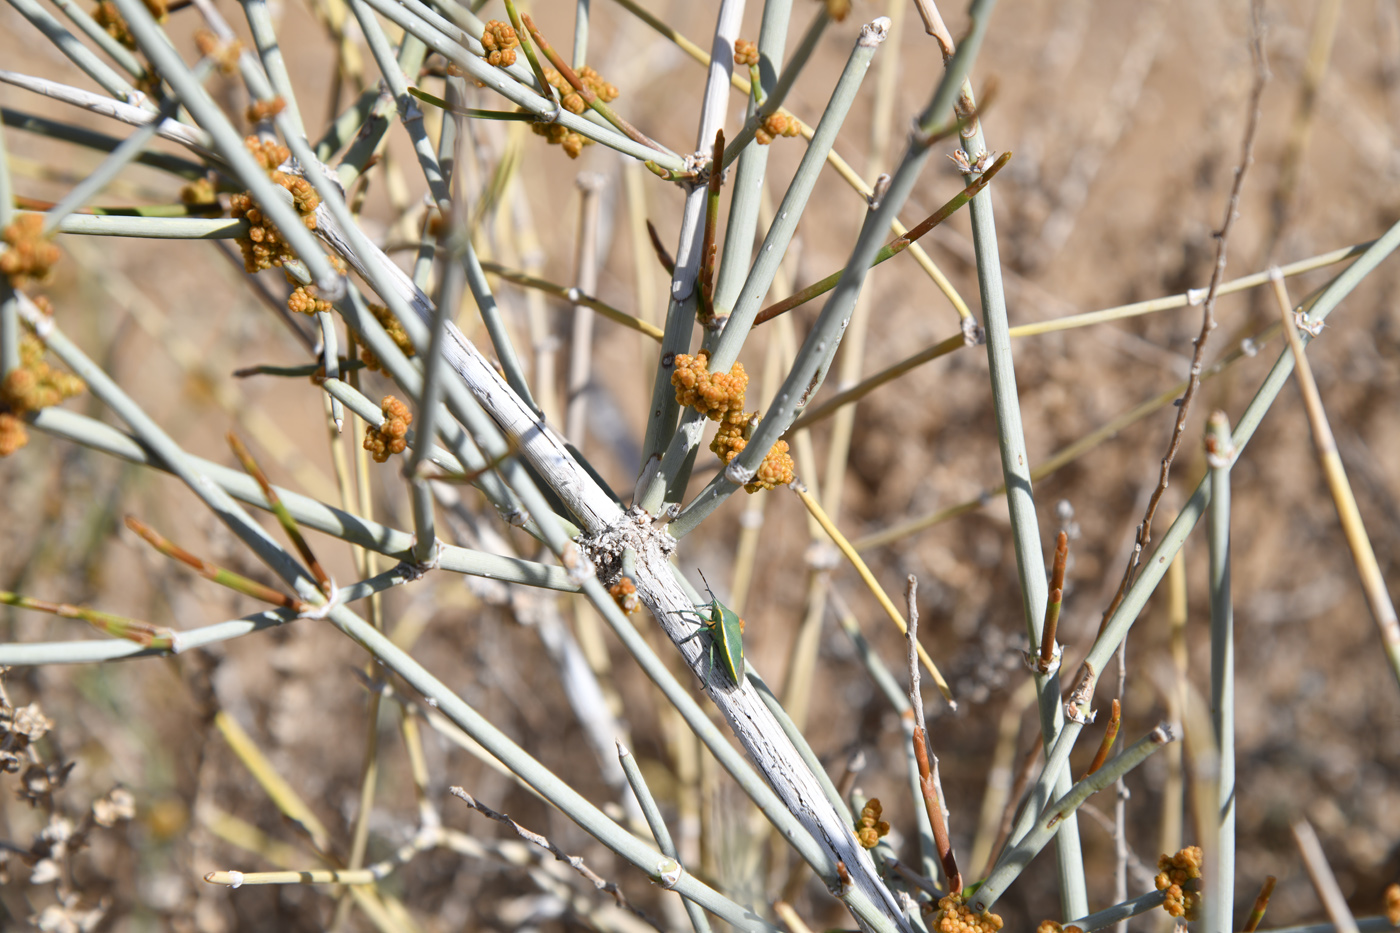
(1025,527)
(1220,892)
(778,93)
(100,141)
(229,142)
(377,104)
(680,313)
(308,512)
(410,113)
(673,468)
(125,153)
(1111,916)
(500,80)
(67,43)
(1015,859)
(330,361)
(114,49)
(657,824)
(581,10)
(485,299)
(273,61)
(115,649)
(428,402)
(753,164)
(815,356)
(154,228)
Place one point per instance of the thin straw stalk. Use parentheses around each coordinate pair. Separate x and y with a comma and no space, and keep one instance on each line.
(841,166)
(1353,527)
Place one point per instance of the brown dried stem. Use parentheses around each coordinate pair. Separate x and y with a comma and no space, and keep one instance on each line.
(234,581)
(1110,733)
(1052,609)
(1222,238)
(929,784)
(284,517)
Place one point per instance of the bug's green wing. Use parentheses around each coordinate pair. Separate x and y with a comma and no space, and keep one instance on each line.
(727,635)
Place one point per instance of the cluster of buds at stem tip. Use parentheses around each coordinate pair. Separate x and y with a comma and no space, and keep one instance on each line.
(720,397)
(396,333)
(1175,872)
(34,384)
(391,436)
(500,41)
(954,916)
(571,100)
(624,593)
(870,828)
(106,15)
(30,256)
(264,247)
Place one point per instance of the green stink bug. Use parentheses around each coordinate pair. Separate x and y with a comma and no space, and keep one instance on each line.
(726,631)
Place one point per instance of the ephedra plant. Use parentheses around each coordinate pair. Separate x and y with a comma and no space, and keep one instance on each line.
(405,259)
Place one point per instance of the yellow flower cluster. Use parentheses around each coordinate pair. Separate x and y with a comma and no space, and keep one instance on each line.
(34,385)
(109,18)
(624,593)
(396,333)
(390,437)
(714,395)
(264,247)
(500,43)
(199,193)
(869,828)
(260,110)
(745,52)
(779,124)
(777,468)
(1173,873)
(1053,926)
(30,256)
(224,53)
(720,397)
(304,299)
(1392,904)
(953,916)
(572,101)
